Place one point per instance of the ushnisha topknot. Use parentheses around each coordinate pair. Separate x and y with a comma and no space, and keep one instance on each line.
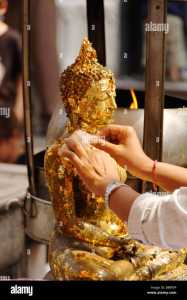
(78,77)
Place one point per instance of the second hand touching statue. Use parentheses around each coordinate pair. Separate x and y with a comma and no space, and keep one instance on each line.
(90,242)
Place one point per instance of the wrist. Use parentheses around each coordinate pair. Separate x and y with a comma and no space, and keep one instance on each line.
(102,185)
(145,171)
(110,189)
(121,201)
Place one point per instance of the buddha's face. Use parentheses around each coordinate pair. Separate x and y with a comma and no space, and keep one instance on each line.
(98,104)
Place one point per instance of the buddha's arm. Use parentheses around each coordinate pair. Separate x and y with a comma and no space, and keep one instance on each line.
(60,183)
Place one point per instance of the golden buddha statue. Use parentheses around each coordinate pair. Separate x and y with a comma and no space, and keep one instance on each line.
(90,242)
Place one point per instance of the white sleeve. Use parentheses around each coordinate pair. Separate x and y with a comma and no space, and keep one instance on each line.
(160,220)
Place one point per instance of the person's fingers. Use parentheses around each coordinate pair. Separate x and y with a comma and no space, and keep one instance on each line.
(97,159)
(104,164)
(111,129)
(107,147)
(76,146)
(83,167)
(114,133)
(62,149)
(74,159)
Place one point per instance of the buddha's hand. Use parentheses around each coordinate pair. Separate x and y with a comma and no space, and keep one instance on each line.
(122,143)
(95,167)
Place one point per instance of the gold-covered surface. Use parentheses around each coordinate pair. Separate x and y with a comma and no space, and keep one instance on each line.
(90,242)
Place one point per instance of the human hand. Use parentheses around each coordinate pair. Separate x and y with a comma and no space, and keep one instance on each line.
(95,167)
(122,143)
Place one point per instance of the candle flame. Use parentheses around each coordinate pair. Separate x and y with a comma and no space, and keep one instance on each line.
(134,104)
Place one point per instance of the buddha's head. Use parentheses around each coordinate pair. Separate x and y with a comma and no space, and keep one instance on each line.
(88,89)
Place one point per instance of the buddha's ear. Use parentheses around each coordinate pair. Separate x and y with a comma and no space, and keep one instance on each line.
(104,84)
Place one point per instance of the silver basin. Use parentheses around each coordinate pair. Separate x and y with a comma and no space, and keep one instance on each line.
(40,219)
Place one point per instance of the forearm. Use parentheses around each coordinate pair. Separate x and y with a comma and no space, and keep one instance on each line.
(121,201)
(169,177)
